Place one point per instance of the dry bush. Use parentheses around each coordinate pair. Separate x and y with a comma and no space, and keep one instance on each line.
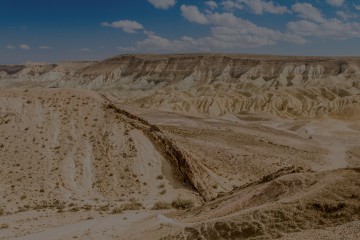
(2,212)
(154,128)
(182,204)
(74,209)
(328,208)
(4,226)
(161,205)
(133,205)
(117,210)
(87,207)
(103,208)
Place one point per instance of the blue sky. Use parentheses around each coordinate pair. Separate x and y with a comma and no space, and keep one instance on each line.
(53,31)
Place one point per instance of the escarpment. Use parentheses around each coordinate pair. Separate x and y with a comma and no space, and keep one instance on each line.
(210,84)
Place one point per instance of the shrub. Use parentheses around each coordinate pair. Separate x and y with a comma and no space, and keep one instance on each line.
(154,128)
(117,210)
(87,207)
(161,205)
(4,226)
(60,206)
(328,208)
(103,208)
(182,204)
(74,209)
(2,212)
(133,205)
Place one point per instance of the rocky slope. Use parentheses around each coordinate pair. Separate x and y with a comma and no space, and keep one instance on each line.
(280,209)
(61,147)
(265,147)
(71,145)
(213,84)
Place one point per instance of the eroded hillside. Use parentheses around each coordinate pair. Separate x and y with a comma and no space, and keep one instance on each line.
(61,147)
(181,147)
(212,84)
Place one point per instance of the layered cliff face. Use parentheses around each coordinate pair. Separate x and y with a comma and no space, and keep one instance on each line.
(215,84)
(188,71)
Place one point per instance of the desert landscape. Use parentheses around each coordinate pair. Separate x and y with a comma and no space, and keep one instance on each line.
(181,146)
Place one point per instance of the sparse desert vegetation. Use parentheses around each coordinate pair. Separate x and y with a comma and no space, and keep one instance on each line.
(182,204)
(162,205)
(4,226)
(132,205)
(243,147)
(117,210)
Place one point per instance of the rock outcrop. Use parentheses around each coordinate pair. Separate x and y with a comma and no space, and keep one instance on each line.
(214,85)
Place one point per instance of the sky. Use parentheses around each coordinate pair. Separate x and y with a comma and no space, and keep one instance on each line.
(63,30)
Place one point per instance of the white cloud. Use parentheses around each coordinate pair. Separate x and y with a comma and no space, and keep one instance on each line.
(256,6)
(163,4)
(231,5)
(211,4)
(127,49)
(24,47)
(342,14)
(330,29)
(303,27)
(308,11)
(346,15)
(315,25)
(126,25)
(85,49)
(230,31)
(154,42)
(10,47)
(260,6)
(293,38)
(146,32)
(227,31)
(44,47)
(192,14)
(357,7)
(336,3)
